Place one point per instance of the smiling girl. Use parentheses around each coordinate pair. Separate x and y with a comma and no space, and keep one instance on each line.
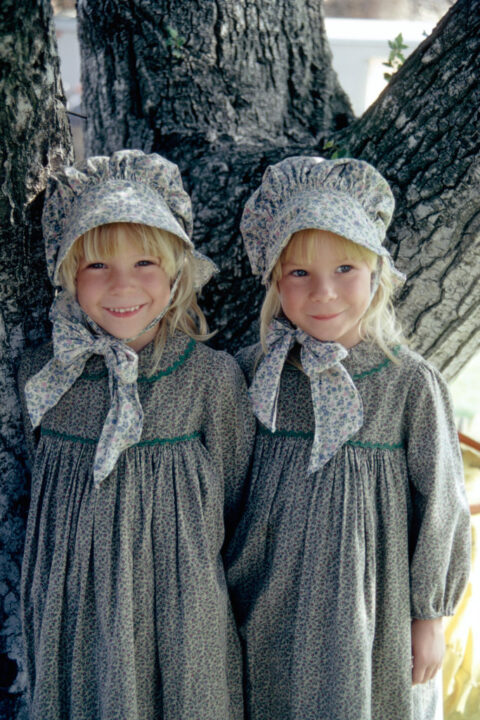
(355,539)
(139,438)
(124,292)
(324,286)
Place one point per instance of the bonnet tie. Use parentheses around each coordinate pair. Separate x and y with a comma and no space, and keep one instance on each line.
(73,345)
(337,405)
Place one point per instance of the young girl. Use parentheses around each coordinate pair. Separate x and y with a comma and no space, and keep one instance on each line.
(139,438)
(355,540)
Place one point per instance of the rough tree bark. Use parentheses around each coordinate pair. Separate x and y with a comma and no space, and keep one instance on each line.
(423,133)
(35,136)
(253,71)
(251,83)
(224,88)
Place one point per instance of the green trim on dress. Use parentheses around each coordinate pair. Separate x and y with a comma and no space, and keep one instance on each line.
(285,433)
(309,436)
(145,379)
(377,368)
(166,441)
(374,446)
(143,443)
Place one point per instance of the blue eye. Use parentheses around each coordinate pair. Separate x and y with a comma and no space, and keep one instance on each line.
(146,263)
(96,265)
(299,273)
(344,268)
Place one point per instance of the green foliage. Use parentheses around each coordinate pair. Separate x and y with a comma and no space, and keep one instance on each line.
(396,57)
(175,42)
(334,151)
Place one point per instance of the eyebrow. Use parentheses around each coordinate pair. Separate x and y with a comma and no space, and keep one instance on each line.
(295,262)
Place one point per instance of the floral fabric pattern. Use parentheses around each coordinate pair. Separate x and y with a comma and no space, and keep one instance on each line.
(125,608)
(130,186)
(326,571)
(347,197)
(336,402)
(74,343)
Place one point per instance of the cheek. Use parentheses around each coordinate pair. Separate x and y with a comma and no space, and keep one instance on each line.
(87,291)
(84,298)
(80,290)
(158,287)
(361,292)
(163,286)
(290,293)
(289,300)
(282,293)
(164,295)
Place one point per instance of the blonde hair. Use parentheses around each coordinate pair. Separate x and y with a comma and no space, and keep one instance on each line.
(102,242)
(379,323)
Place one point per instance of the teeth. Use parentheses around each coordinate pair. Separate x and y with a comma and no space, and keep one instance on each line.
(124,310)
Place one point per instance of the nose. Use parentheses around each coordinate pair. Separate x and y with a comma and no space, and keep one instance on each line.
(322,289)
(120,279)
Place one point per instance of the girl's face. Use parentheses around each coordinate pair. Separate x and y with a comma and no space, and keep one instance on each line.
(123,293)
(325,295)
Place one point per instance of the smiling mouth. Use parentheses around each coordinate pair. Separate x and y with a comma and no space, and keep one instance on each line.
(124,311)
(325,317)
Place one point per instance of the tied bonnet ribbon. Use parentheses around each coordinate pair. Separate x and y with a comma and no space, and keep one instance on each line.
(337,405)
(73,344)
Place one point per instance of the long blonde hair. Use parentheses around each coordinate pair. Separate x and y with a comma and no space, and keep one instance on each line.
(379,323)
(184,312)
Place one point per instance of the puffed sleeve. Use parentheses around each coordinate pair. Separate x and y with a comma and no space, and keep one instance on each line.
(440,529)
(230,434)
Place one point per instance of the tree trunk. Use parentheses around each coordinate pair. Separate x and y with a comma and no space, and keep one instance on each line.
(226,88)
(423,135)
(35,137)
(254,71)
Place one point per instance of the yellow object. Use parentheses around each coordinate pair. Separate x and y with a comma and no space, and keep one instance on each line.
(461,667)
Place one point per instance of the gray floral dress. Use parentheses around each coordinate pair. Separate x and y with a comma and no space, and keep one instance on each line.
(327,570)
(125,608)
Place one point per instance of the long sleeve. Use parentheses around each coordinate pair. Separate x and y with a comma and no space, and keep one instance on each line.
(230,433)
(440,537)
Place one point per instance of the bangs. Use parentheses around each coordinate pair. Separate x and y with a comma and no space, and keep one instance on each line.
(378,324)
(304,246)
(104,241)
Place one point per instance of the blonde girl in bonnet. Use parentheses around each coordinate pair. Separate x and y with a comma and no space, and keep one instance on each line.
(355,539)
(139,438)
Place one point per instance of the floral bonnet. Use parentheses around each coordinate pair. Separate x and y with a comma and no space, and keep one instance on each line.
(346,196)
(128,186)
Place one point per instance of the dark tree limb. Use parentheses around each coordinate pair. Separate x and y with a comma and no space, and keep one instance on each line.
(35,136)
(253,83)
(423,133)
(250,84)
(256,71)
